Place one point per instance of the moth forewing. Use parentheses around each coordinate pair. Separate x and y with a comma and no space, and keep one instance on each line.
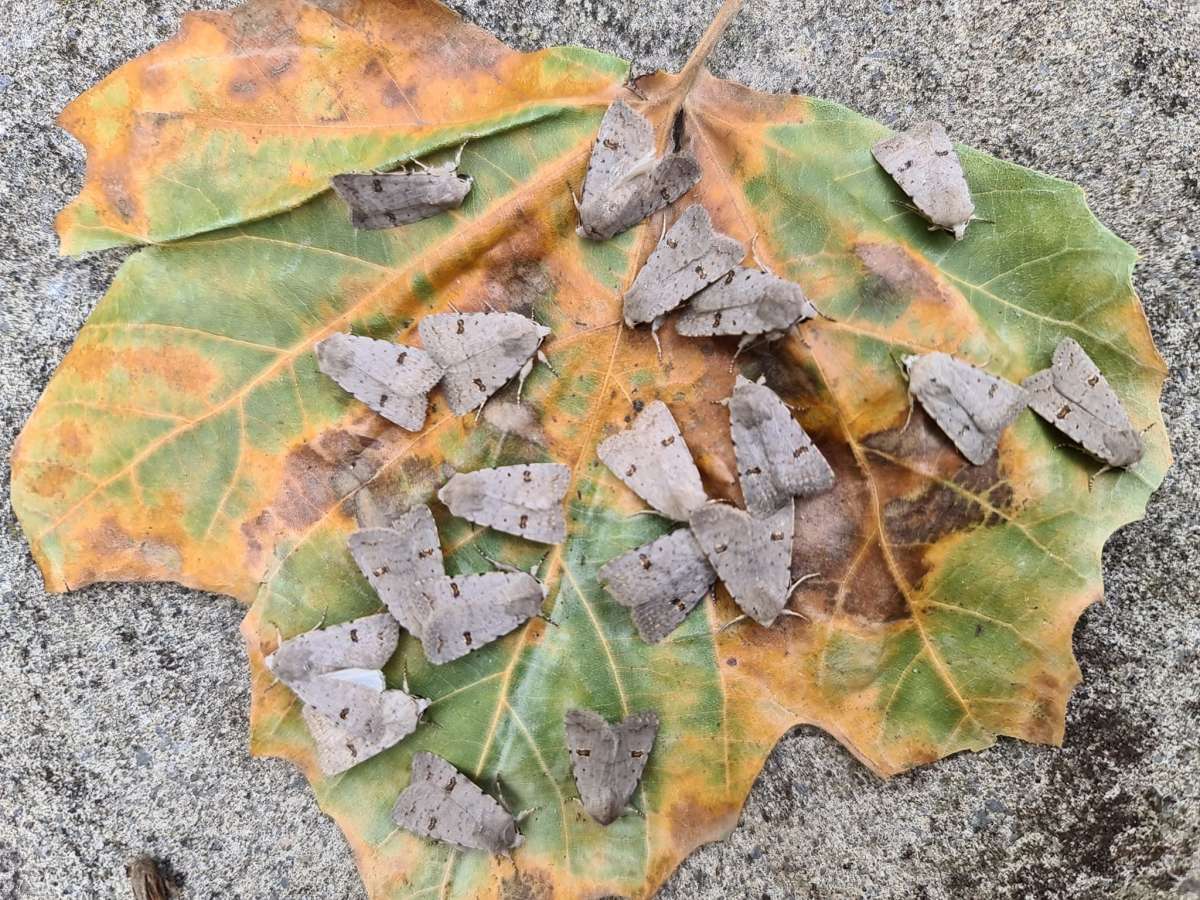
(479,352)
(608,760)
(471,611)
(745,302)
(364,643)
(776,459)
(339,748)
(396,559)
(392,379)
(923,162)
(1074,397)
(385,200)
(443,804)
(661,582)
(525,500)
(752,556)
(690,256)
(650,456)
(626,180)
(971,406)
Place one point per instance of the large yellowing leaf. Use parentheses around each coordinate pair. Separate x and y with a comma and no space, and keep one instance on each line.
(188,435)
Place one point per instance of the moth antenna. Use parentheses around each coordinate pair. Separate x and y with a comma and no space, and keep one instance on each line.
(502,566)
(754,253)
(654,326)
(521,376)
(574,198)
(827,318)
(457,311)
(479,408)
(631,810)
(404,678)
(458,155)
(425,720)
(905,205)
(324,615)
(488,304)
(664,229)
(908,418)
(524,814)
(549,621)
(732,622)
(795,584)
(984,221)
(747,341)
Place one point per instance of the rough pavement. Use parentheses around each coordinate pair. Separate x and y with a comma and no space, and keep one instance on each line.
(124,714)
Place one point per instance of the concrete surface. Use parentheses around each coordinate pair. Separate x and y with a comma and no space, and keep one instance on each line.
(123,716)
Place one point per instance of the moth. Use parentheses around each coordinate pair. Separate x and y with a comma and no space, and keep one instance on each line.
(925,165)
(660,582)
(970,405)
(752,557)
(385,200)
(146,881)
(689,257)
(467,612)
(396,559)
(608,760)
(335,671)
(525,500)
(652,459)
(391,379)
(480,352)
(776,459)
(1076,399)
(626,181)
(442,803)
(746,302)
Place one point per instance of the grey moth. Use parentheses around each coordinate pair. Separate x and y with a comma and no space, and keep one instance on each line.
(391,379)
(746,302)
(525,500)
(626,181)
(443,804)
(970,405)
(385,200)
(924,163)
(608,760)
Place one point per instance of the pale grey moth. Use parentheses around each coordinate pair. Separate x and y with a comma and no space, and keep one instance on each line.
(364,643)
(396,559)
(480,352)
(689,257)
(470,611)
(660,582)
(392,379)
(385,200)
(652,459)
(442,803)
(525,500)
(970,405)
(626,181)
(924,163)
(753,557)
(745,302)
(1076,399)
(339,748)
(776,459)
(608,760)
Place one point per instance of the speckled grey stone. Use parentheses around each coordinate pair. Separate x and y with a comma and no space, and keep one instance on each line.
(123,718)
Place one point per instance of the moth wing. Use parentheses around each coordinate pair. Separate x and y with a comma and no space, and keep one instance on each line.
(442,803)
(349,697)
(625,140)
(480,352)
(364,643)
(338,749)
(776,458)
(753,557)
(690,256)
(971,406)
(651,458)
(391,379)
(1077,399)
(396,559)
(524,500)
(635,740)
(641,196)
(661,582)
(593,746)
(927,168)
(745,301)
(398,198)
(471,611)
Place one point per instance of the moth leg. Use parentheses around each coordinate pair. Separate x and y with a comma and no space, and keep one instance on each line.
(1092,478)
(574,197)
(425,720)
(521,376)
(732,622)
(654,326)
(458,155)
(545,360)
(799,581)
(747,341)
(631,810)
(502,566)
